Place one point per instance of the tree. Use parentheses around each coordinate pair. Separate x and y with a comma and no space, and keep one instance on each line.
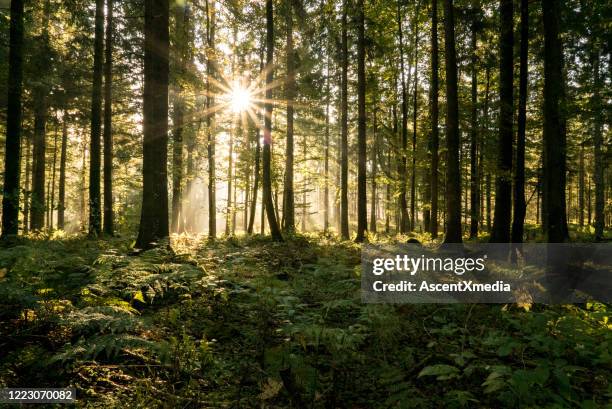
(433,101)
(503,185)
(154,214)
(403,163)
(288,193)
(519,173)
(107,137)
(12,154)
(267,174)
(61,201)
(598,176)
(181,18)
(474,148)
(362,211)
(344,225)
(211,14)
(554,154)
(453,175)
(95,214)
(40,93)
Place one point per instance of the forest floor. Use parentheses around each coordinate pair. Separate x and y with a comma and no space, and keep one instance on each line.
(248,323)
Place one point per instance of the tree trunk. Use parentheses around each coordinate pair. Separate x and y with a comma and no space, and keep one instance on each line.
(255,183)
(108,226)
(474,148)
(414,121)
(503,182)
(210,118)
(344,224)
(433,102)
(362,205)
(267,156)
(453,175)
(288,193)
(181,17)
(61,202)
(230,165)
(554,138)
(326,158)
(95,213)
(53,174)
(581,187)
(27,188)
(12,154)
(520,207)
(375,149)
(154,216)
(403,163)
(598,176)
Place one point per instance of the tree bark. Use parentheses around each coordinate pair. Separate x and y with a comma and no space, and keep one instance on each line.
(403,163)
(12,153)
(375,149)
(362,205)
(433,102)
(267,156)
(503,182)
(474,148)
(95,212)
(288,193)
(344,224)
(108,226)
(181,17)
(453,175)
(554,138)
(598,175)
(154,215)
(520,207)
(61,203)
(210,118)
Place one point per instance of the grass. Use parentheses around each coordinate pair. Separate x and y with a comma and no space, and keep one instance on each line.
(246,322)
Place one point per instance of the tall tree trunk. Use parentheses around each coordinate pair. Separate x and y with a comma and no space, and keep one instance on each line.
(107,137)
(83,187)
(12,153)
(288,193)
(403,162)
(581,187)
(362,204)
(375,149)
(181,18)
(210,117)
(95,213)
(154,216)
(520,206)
(230,165)
(474,148)
(554,138)
(61,202)
(267,154)
(598,175)
(27,187)
(326,158)
(503,182)
(433,102)
(344,224)
(453,171)
(53,174)
(414,120)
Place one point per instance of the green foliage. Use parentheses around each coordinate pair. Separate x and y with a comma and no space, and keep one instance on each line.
(269,328)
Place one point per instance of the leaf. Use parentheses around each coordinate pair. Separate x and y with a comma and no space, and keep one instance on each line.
(440,371)
(138,296)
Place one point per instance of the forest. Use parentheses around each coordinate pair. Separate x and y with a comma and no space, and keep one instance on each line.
(187,186)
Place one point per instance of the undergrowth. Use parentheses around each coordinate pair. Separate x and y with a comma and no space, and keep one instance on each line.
(245,322)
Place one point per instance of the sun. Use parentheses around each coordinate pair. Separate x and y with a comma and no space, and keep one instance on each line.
(240,99)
